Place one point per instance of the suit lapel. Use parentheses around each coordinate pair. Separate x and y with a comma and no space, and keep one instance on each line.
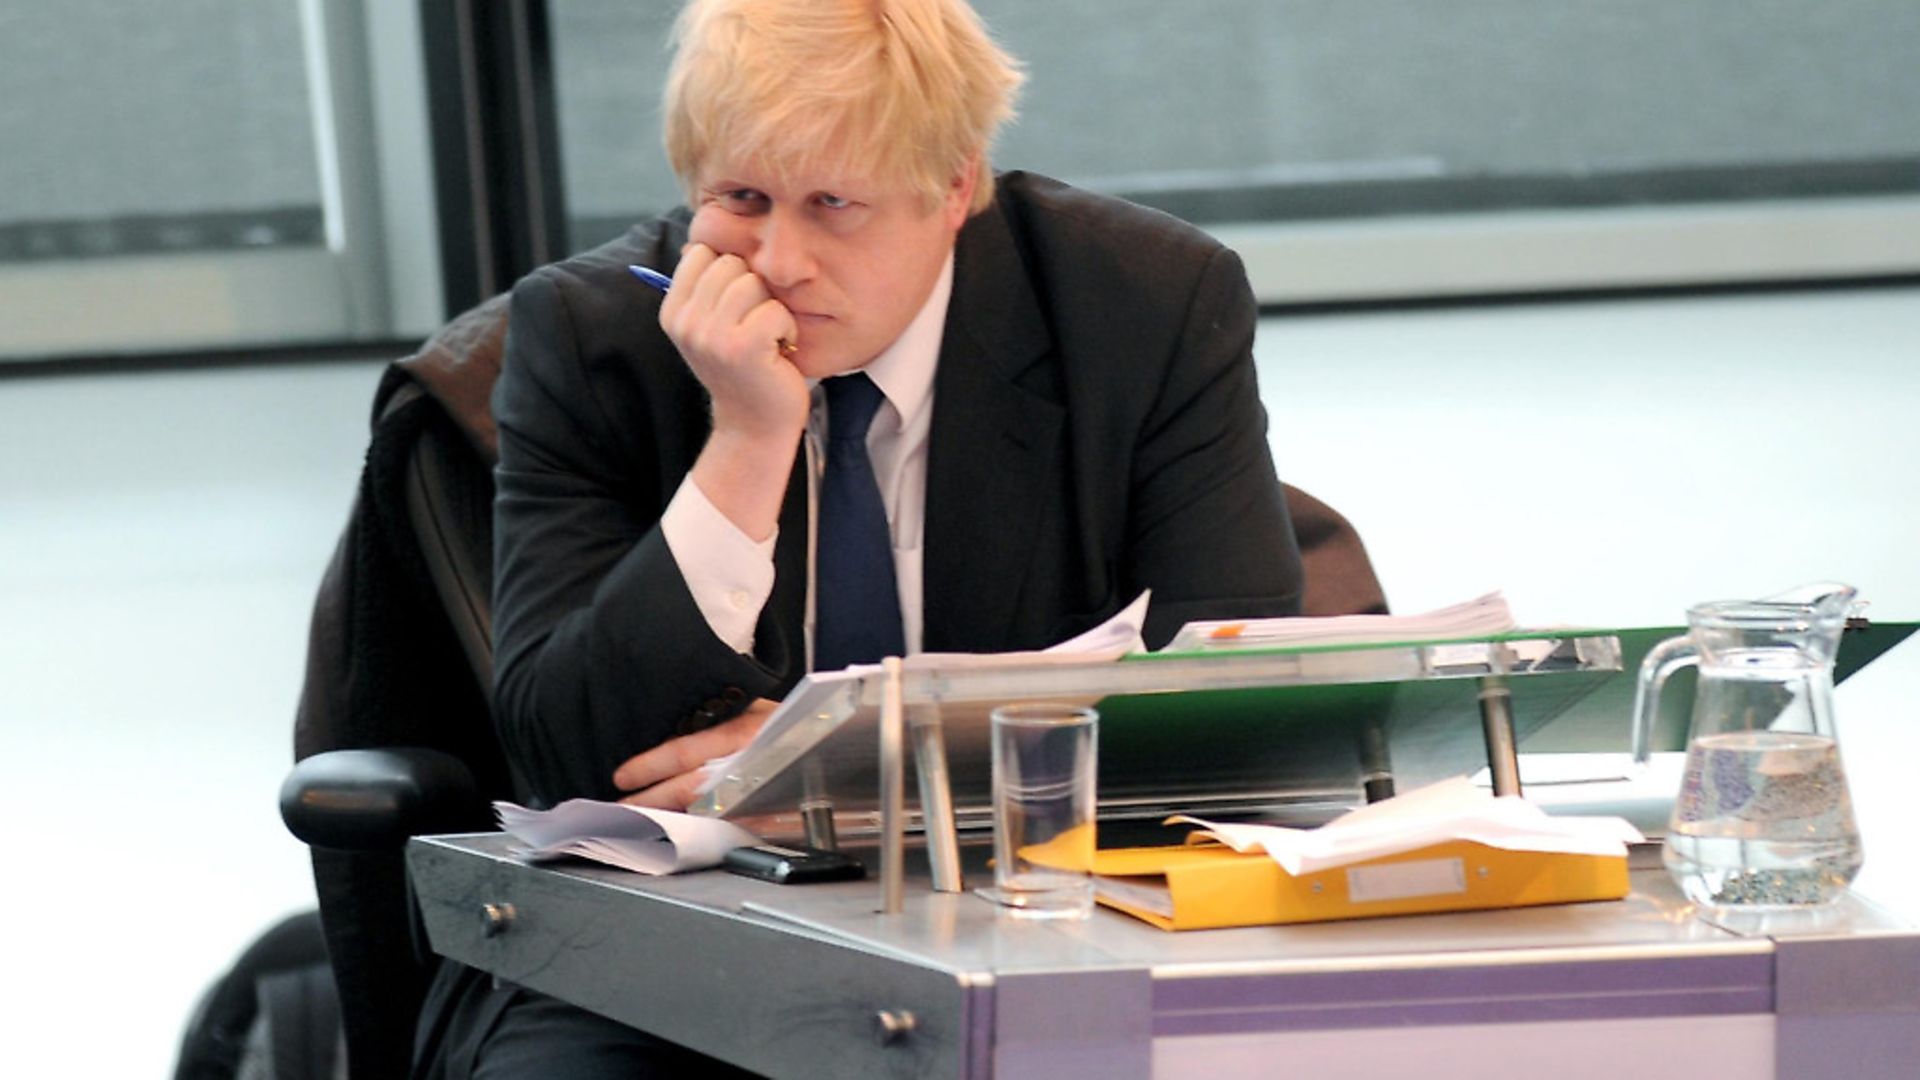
(998,430)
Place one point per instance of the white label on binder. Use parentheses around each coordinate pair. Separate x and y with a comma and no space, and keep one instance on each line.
(1398,881)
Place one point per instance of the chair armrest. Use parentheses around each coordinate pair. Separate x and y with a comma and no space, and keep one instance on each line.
(373,800)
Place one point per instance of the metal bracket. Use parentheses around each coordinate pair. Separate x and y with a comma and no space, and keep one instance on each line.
(1496,718)
(936,799)
(893,813)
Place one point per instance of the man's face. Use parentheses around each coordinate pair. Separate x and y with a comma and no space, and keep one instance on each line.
(853,260)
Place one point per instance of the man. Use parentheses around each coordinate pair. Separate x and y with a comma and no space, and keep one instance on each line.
(1066,412)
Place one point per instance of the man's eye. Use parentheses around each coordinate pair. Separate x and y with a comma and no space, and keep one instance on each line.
(739,200)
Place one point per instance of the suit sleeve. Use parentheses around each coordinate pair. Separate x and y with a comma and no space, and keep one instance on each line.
(601,651)
(1207,520)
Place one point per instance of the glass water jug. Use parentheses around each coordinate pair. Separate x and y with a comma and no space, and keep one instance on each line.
(1763,818)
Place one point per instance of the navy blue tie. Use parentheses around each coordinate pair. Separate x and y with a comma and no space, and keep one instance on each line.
(856,602)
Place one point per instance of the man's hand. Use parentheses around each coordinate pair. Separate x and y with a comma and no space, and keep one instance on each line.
(729,328)
(665,777)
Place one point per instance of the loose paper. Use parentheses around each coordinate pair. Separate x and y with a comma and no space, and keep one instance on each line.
(636,838)
(1111,640)
(1450,810)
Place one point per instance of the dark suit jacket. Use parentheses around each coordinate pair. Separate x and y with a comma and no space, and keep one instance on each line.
(1096,431)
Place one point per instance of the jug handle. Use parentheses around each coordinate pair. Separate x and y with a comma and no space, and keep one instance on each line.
(1662,660)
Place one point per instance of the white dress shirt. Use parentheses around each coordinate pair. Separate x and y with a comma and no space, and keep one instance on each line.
(731,576)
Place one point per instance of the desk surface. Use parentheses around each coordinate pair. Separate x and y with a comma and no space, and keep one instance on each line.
(806,980)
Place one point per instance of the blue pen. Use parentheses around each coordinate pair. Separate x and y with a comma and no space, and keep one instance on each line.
(652,277)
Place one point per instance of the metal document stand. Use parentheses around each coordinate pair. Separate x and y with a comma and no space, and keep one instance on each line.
(1297,733)
(1220,732)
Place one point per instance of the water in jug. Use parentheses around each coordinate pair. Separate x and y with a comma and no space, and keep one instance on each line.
(1763,818)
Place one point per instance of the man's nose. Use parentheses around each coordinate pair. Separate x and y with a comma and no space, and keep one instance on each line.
(782,254)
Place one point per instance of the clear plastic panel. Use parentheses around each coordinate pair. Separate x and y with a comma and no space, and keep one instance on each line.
(1252,730)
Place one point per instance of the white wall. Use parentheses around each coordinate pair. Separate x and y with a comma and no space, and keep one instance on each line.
(1610,463)
(161,542)
(1614,461)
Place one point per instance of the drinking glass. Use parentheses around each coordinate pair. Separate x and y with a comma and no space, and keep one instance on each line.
(1045,757)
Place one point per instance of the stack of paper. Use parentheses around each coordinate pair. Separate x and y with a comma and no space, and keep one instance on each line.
(633,838)
(1481,617)
(1111,640)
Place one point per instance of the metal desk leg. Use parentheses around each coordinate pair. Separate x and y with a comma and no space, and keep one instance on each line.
(1496,717)
(893,815)
(816,807)
(816,817)
(936,798)
(1376,762)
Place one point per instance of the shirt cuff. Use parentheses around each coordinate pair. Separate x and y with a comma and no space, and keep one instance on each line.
(729,575)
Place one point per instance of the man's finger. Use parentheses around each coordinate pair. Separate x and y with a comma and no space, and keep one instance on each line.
(694,260)
(674,794)
(774,320)
(669,759)
(689,752)
(741,296)
(716,279)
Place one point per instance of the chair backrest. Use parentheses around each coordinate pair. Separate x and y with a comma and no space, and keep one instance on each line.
(400,655)
(1339,575)
(449,501)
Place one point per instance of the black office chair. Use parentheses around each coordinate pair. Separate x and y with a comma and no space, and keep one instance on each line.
(1338,573)
(394,736)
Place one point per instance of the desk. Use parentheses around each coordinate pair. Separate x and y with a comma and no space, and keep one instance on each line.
(812,982)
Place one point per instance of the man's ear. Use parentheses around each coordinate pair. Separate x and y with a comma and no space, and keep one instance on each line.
(957,206)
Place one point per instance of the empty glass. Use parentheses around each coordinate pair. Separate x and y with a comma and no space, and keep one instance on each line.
(1045,758)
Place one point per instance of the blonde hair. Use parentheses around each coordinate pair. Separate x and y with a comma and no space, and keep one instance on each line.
(913,90)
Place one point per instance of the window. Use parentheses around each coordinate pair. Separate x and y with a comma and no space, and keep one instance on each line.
(1356,148)
(210,174)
